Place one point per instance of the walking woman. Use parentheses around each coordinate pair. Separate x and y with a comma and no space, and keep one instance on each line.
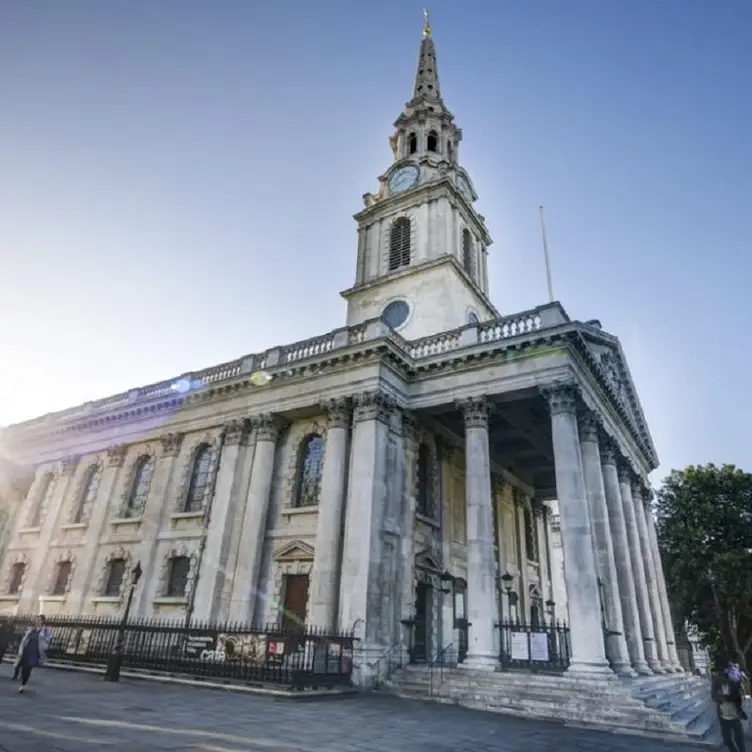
(33,650)
(728,697)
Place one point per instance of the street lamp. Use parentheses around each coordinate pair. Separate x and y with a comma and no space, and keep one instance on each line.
(115,660)
(507,580)
(551,609)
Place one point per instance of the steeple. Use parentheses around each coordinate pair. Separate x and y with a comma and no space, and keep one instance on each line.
(427,73)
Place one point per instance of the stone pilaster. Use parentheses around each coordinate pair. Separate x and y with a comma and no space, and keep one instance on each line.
(322,611)
(580,573)
(651,580)
(668,623)
(159,491)
(359,600)
(618,527)
(616,644)
(85,573)
(218,529)
(638,569)
(248,567)
(481,564)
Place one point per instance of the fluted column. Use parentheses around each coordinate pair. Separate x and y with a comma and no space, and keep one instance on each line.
(616,644)
(322,611)
(618,528)
(218,530)
(359,605)
(668,623)
(248,567)
(638,569)
(580,573)
(481,564)
(651,579)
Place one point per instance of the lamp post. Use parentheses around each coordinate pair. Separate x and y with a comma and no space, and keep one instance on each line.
(507,580)
(551,609)
(115,660)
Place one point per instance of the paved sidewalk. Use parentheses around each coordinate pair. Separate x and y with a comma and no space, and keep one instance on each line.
(72,712)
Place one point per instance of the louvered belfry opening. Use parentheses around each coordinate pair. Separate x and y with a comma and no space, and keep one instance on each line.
(399,244)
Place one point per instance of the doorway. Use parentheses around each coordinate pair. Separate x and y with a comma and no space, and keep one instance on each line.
(295,608)
(423,609)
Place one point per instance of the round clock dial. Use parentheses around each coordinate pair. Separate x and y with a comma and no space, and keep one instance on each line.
(403,179)
(464,187)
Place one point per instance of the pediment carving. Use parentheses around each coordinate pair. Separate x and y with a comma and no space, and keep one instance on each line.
(294,551)
(424,560)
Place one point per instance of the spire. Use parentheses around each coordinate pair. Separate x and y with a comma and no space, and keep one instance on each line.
(427,73)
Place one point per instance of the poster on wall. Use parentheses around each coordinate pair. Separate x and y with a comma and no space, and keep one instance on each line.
(519,647)
(539,647)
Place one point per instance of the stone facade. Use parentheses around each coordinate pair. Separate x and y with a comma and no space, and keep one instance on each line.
(393,476)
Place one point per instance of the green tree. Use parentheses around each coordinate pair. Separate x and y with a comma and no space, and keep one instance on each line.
(704,520)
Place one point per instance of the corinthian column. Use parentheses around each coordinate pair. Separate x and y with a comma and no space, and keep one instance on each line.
(481,564)
(580,573)
(253,534)
(616,644)
(638,569)
(652,582)
(668,623)
(322,611)
(618,527)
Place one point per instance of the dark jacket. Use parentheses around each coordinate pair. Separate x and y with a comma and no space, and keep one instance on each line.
(735,693)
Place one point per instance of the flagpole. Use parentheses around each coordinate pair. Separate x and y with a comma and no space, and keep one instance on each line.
(551,298)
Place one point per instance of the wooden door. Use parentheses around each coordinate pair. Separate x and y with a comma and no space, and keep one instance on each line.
(296,602)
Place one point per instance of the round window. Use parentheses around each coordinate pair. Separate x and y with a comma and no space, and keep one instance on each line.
(472,318)
(396,313)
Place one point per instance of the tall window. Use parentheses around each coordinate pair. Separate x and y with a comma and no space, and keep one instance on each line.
(309,471)
(139,490)
(467,251)
(194,500)
(399,244)
(177,576)
(432,142)
(413,143)
(115,575)
(46,487)
(531,535)
(424,501)
(89,491)
(17,572)
(62,576)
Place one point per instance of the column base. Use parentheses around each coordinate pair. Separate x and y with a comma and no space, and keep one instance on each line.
(642,669)
(667,668)
(480,662)
(623,669)
(678,668)
(580,668)
(656,667)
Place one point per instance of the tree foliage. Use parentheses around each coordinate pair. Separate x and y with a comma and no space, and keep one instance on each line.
(704,517)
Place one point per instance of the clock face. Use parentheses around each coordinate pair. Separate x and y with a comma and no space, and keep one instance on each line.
(464,187)
(403,178)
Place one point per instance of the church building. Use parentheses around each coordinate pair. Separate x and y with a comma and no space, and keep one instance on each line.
(393,476)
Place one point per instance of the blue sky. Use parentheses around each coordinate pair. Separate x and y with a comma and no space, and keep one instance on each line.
(178,180)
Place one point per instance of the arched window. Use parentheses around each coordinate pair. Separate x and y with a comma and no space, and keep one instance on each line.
(432,142)
(89,491)
(139,491)
(424,501)
(531,535)
(412,141)
(308,483)
(399,244)
(467,251)
(46,488)
(202,460)
(178,574)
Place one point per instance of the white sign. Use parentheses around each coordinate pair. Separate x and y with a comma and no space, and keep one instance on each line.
(539,647)
(520,647)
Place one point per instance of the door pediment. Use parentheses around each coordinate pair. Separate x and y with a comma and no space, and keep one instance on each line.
(295,551)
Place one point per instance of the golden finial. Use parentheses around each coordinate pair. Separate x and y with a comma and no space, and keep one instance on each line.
(427,24)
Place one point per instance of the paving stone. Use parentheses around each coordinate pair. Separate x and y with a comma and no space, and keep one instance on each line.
(71,712)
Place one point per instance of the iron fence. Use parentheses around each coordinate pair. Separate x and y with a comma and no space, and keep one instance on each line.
(298,658)
(542,647)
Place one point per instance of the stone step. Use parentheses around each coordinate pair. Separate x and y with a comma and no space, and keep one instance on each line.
(676,699)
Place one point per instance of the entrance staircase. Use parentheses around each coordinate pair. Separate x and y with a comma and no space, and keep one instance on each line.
(671,706)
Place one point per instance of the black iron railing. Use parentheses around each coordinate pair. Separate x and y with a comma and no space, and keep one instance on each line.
(542,647)
(446,658)
(228,652)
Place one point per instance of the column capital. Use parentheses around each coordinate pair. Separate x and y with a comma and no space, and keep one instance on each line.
(563,397)
(373,405)
(68,464)
(475,412)
(267,427)
(236,432)
(626,471)
(589,424)
(609,451)
(171,443)
(338,412)
(116,455)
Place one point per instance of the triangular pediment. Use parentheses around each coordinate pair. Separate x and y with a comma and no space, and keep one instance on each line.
(294,551)
(613,364)
(424,560)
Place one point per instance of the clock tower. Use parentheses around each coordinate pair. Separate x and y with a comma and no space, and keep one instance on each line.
(422,247)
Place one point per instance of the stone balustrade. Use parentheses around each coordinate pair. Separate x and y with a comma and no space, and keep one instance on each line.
(519,324)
